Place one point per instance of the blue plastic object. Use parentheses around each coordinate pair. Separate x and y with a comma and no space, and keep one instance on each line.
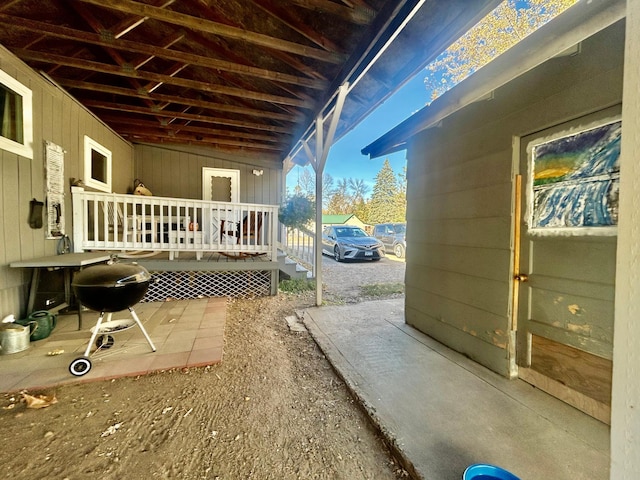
(482,471)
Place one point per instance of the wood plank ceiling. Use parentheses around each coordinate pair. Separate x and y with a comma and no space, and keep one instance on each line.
(242,76)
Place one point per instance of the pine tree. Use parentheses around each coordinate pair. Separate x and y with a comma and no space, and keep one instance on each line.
(385,205)
(401,197)
(361,210)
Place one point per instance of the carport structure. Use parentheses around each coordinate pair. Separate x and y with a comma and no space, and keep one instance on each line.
(245,77)
(274,83)
(266,82)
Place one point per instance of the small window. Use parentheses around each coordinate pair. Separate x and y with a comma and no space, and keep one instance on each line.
(16,124)
(97,165)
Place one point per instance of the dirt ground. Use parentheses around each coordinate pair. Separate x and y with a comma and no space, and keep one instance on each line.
(273,409)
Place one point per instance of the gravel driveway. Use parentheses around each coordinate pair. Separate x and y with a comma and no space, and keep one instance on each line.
(342,280)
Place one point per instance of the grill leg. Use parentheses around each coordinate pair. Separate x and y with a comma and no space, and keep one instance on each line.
(144,332)
(95,331)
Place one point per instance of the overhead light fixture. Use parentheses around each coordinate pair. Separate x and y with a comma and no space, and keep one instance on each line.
(257,172)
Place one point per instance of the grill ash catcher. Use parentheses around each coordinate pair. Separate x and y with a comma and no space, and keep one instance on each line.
(109,288)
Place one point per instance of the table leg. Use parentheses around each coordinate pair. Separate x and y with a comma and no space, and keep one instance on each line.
(79,315)
(35,278)
(69,297)
(67,285)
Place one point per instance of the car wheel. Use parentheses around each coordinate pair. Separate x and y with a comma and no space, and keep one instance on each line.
(336,254)
(398,250)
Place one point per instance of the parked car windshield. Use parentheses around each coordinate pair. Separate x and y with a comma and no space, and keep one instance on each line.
(401,228)
(350,232)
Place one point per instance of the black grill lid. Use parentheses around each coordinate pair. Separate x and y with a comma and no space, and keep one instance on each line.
(111,275)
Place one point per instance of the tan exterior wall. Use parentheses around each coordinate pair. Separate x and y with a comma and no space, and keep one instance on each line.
(356,222)
(57,118)
(177,172)
(460,183)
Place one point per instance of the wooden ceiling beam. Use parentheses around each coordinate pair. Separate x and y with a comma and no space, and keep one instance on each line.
(360,3)
(172,72)
(97,26)
(227,52)
(180,82)
(220,144)
(128,24)
(152,50)
(200,24)
(8,4)
(222,48)
(357,15)
(190,128)
(135,130)
(221,107)
(291,20)
(185,116)
(172,40)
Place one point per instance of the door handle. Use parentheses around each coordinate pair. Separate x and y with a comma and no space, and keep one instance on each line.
(521,277)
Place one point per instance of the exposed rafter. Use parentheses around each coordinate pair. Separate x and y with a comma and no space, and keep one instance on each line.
(125,92)
(163,52)
(199,24)
(243,76)
(129,72)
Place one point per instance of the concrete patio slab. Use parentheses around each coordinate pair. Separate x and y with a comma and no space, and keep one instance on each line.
(443,412)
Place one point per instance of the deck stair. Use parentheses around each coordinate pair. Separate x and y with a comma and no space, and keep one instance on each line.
(290,269)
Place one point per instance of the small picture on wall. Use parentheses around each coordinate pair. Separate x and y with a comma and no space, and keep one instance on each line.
(575,181)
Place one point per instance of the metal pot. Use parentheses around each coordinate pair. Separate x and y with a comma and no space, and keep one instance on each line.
(13,338)
(111,287)
(40,323)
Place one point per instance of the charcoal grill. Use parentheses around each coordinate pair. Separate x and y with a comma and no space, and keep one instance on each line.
(109,288)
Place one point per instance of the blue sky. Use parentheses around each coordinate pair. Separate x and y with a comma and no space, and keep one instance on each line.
(345,159)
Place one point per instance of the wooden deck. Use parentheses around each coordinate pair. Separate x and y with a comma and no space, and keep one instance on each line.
(210,262)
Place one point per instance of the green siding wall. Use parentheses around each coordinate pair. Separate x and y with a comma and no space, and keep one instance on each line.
(58,118)
(460,201)
(177,172)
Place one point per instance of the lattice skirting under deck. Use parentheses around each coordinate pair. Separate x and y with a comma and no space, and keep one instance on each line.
(185,285)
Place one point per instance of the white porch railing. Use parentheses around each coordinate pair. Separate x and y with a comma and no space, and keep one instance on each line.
(119,222)
(298,243)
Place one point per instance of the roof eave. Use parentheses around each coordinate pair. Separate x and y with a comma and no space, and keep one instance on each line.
(399,19)
(568,29)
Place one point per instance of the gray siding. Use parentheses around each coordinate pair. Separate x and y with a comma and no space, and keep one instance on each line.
(177,172)
(58,118)
(460,202)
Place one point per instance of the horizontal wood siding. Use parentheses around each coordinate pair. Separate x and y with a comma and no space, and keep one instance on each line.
(459,192)
(58,118)
(177,172)
(568,283)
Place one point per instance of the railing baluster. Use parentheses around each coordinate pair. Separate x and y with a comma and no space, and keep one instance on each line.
(123,222)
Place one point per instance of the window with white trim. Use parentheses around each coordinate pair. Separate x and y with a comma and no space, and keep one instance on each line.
(97,165)
(16,117)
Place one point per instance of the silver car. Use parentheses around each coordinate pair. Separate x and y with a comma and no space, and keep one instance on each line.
(346,242)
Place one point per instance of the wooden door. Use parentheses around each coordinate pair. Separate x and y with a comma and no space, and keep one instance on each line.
(567,262)
(221,185)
